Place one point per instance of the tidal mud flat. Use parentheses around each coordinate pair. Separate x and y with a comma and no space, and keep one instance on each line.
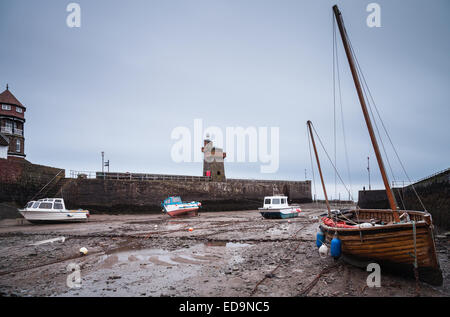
(234,253)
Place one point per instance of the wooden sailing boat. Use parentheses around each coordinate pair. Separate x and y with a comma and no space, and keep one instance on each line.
(402,238)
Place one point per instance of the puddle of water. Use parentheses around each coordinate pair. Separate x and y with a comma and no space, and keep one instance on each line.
(226,244)
(197,255)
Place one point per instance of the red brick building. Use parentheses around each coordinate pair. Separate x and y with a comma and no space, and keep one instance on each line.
(12,120)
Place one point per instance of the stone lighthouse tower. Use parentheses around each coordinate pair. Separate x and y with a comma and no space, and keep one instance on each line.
(213,164)
(12,120)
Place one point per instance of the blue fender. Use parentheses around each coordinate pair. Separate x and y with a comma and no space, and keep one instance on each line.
(335,249)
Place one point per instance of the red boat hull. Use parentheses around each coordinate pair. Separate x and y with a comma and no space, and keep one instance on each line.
(184,212)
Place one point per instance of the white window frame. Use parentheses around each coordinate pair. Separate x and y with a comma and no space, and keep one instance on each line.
(18,145)
(19,110)
(6,107)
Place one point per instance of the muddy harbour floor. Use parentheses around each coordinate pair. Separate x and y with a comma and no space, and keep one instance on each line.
(226,254)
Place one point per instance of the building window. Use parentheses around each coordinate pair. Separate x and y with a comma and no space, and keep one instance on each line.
(19,110)
(8,127)
(17,145)
(6,107)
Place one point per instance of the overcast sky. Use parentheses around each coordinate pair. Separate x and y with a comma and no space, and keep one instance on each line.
(135,70)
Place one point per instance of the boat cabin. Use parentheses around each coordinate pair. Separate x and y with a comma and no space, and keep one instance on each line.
(275,202)
(173,200)
(47,203)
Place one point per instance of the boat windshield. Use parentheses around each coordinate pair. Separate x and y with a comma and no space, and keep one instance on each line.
(30,204)
(36,204)
(176,200)
(267,201)
(45,206)
(276,201)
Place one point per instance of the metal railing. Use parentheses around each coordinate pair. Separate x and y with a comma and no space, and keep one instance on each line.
(6,130)
(400,183)
(82,174)
(408,183)
(146,177)
(304,182)
(135,176)
(10,131)
(431,176)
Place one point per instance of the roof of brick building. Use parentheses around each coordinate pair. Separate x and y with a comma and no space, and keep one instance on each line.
(8,97)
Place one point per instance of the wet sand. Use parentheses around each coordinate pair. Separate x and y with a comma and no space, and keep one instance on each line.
(227,254)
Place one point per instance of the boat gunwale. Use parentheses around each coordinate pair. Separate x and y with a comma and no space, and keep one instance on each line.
(379,229)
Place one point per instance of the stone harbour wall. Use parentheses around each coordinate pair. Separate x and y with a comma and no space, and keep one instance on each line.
(20,180)
(117,196)
(434,193)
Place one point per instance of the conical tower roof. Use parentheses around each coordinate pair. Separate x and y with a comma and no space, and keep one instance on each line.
(8,98)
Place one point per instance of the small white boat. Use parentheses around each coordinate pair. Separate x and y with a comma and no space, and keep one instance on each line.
(51,210)
(276,207)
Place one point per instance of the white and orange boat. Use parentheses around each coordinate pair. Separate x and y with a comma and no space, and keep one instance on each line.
(175,207)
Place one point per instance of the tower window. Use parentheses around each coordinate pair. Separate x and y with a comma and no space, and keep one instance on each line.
(8,127)
(19,110)
(17,145)
(6,107)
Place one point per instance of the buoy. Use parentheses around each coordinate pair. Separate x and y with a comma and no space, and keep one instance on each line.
(83,251)
(335,247)
(320,239)
(323,251)
(191,229)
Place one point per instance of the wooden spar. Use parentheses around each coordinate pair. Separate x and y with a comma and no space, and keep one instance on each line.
(320,170)
(390,194)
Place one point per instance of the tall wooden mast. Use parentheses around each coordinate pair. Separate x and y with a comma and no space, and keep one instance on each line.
(320,170)
(390,194)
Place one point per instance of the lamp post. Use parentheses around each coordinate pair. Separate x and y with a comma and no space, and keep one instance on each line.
(103,162)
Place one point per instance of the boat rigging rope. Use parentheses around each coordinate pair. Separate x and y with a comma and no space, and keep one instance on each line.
(46,185)
(336,57)
(334,102)
(416,273)
(328,156)
(384,128)
(364,87)
(312,166)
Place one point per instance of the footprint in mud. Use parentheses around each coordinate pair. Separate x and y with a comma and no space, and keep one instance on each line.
(205,257)
(157,261)
(180,259)
(132,258)
(110,261)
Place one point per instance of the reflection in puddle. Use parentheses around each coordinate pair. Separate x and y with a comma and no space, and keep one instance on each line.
(199,254)
(226,244)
